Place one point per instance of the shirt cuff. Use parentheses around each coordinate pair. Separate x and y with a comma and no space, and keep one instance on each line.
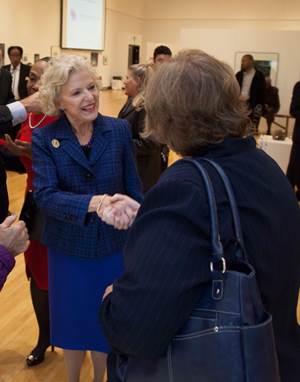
(18,112)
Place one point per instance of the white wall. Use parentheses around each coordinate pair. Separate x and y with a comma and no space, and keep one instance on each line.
(223,43)
(222,9)
(35,25)
(225,27)
(32,24)
(256,25)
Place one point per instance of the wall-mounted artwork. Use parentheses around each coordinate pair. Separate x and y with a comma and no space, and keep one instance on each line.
(36,57)
(55,51)
(2,54)
(94,58)
(265,62)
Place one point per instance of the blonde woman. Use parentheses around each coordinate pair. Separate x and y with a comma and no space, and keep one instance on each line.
(149,155)
(80,162)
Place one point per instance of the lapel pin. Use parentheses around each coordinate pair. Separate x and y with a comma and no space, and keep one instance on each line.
(55,143)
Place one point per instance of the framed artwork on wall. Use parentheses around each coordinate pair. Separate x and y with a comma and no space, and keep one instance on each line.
(36,57)
(266,62)
(25,59)
(55,51)
(2,54)
(94,58)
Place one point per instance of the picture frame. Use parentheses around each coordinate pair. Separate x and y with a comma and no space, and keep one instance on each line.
(94,58)
(25,59)
(36,57)
(266,62)
(55,51)
(2,54)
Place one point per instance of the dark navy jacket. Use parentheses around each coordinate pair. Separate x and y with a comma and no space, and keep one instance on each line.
(65,181)
(168,253)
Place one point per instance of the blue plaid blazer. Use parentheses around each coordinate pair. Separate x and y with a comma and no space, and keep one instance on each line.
(65,180)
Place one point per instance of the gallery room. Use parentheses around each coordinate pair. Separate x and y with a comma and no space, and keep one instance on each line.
(149,191)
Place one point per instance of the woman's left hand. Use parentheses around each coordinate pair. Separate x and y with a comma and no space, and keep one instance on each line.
(108,290)
(18,147)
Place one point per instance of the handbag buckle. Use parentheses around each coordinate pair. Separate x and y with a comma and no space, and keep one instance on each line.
(223,269)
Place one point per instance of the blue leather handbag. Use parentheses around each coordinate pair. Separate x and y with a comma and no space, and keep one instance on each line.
(229,335)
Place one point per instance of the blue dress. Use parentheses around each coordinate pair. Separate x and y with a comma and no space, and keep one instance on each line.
(76,287)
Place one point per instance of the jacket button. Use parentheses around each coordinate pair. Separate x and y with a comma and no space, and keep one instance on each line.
(89,176)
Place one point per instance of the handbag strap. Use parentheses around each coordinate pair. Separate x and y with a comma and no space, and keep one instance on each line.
(233,206)
(217,247)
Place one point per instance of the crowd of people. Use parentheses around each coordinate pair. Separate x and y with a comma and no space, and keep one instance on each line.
(106,218)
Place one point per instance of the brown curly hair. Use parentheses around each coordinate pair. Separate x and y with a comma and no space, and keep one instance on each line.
(194,101)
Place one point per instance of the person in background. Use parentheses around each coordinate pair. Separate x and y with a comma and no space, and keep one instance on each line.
(16,112)
(168,250)
(147,151)
(253,88)
(9,161)
(82,163)
(13,240)
(19,72)
(293,170)
(10,115)
(272,103)
(36,255)
(162,54)
(6,95)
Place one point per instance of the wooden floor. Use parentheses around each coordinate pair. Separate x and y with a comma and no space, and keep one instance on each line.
(18,329)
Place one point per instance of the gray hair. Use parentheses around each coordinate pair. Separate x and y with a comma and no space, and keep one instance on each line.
(56,75)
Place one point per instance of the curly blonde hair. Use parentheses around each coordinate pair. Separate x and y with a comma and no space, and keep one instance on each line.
(56,75)
(140,73)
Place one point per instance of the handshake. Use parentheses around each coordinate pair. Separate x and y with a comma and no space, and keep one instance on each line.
(118,210)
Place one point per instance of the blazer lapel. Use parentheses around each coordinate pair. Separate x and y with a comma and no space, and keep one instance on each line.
(126,109)
(100,139)
(70,144)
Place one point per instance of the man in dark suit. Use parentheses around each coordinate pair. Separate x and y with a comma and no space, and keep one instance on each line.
(10,115)
(16,112)
(272,103)
(253,87)
(18,71)
(6,95)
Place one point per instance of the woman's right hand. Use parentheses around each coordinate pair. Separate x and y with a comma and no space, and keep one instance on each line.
(118,210)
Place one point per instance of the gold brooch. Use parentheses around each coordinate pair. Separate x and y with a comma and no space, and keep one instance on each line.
(55,143)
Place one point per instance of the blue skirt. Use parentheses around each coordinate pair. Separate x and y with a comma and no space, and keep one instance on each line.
(76,287)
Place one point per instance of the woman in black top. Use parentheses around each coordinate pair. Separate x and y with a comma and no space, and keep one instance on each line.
(193,106)
(148,152)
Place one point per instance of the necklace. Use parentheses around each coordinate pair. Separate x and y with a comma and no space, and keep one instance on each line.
(39,122)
